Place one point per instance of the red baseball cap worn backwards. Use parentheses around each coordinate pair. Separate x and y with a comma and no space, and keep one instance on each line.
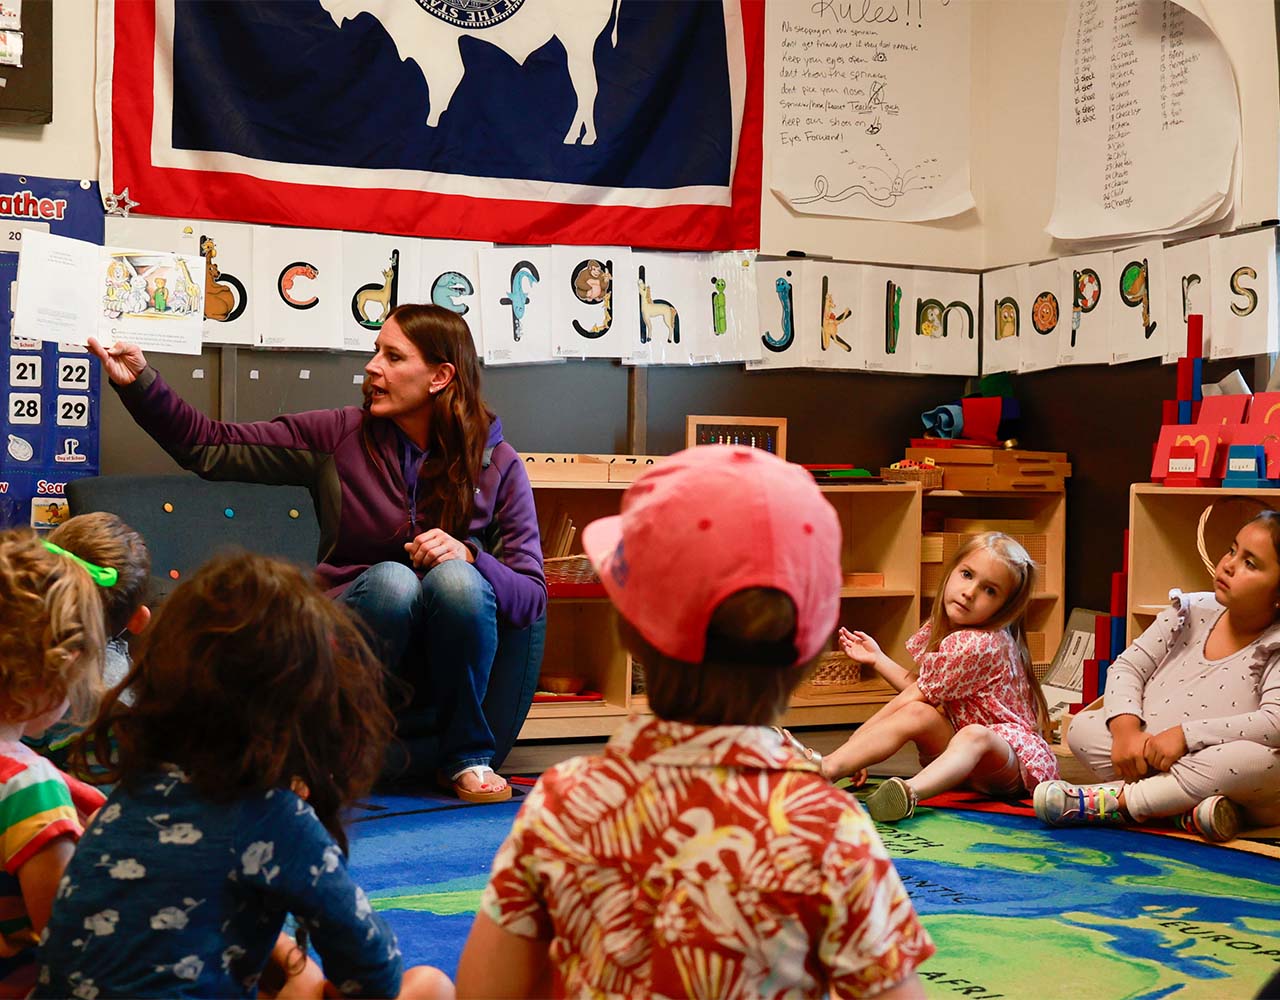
(711,521)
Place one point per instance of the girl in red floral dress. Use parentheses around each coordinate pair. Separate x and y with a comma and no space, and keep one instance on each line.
(973,706)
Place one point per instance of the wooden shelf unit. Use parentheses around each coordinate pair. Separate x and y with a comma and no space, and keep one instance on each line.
(880,526)
(1047,512)
(1162,542)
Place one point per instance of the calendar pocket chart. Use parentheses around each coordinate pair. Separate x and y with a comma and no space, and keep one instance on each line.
(49,403)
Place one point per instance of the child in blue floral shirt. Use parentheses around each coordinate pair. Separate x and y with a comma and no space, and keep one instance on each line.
(258,716)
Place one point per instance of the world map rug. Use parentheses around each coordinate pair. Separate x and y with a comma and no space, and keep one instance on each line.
(1016,909)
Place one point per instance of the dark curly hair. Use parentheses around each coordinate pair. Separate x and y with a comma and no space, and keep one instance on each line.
(249,679)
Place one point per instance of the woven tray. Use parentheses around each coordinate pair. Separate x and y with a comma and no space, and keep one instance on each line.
(929,479)
(834,674)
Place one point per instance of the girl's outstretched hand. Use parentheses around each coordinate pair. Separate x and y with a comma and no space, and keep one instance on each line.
(122,362)
(859,647)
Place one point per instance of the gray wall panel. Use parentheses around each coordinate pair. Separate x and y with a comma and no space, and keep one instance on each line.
(127,450)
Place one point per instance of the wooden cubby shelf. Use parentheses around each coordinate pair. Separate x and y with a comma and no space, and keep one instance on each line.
(881,531)
(1162,541)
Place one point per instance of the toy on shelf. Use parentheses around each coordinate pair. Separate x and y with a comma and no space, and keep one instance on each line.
(909,470)
(562,467)
(828,473)
(766,433)
(1217,435)
(992,470)
(1247,468)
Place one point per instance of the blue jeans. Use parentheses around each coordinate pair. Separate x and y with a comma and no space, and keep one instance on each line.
(440,635)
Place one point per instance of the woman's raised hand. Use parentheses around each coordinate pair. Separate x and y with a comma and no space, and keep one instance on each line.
(122,362)
(859,647)
(434,547)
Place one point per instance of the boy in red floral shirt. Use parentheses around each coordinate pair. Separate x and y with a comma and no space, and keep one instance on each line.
(701,854)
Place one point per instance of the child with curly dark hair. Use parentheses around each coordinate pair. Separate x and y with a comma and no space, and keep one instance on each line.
(258,716)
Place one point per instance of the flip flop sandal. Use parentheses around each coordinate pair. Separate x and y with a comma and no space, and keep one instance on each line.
(809,753)
(467,795)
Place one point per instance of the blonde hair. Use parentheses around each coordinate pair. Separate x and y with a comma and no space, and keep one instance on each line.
(1011,617)
(51,631)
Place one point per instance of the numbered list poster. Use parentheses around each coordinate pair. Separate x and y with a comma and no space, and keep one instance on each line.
(50,417)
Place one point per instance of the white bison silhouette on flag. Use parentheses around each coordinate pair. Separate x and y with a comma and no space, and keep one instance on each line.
(428,32)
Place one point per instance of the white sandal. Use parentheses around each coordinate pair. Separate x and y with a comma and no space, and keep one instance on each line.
(467,795)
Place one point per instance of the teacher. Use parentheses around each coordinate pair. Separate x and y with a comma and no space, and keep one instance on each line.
(427,523)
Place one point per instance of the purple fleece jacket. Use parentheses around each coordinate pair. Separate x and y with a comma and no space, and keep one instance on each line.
(363,505)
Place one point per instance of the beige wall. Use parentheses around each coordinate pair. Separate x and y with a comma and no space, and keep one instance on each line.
(69,146)
(1014,146)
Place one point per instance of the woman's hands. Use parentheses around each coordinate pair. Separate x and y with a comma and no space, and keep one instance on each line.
(122,362)
(859,647)
(434,547)
(1166,748)
(1129,746)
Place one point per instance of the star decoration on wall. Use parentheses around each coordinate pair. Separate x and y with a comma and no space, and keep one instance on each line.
(119,204)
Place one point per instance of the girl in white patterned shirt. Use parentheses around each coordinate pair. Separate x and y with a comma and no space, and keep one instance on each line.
(1191,718)
(974,709)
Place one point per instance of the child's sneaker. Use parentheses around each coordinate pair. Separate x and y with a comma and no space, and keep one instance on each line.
(892,801)
(1217,818)
(1059,803)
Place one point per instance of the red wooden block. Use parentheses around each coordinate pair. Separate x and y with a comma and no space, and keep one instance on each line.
(1195,336)
(1102,634)
(1119,598)
(1168,411)
(1196,404)
(1186,378)
(1089,688)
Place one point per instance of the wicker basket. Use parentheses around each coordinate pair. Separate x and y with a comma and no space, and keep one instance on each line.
(929,479)
(569,569)
(1202,525)
(834,674)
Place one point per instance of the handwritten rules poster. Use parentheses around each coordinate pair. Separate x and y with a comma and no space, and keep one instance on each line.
(867,105)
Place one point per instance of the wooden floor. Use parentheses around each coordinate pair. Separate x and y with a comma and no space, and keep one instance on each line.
(535,756)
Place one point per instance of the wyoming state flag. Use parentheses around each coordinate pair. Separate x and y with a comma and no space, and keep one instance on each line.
(633,122)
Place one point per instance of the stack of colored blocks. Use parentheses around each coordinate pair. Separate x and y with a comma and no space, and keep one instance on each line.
(1108,637)
(1185,409)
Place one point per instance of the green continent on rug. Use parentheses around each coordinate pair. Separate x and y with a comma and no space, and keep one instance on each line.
(1017,909)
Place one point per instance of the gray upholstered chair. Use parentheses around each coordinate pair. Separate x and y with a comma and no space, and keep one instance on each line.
(185,520)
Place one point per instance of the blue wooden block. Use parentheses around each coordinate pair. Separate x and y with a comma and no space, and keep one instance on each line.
(1246,466)
(1197,376)
(1184,411)
(1117,637)
(1102,676)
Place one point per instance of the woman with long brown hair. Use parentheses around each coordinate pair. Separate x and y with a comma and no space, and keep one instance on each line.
(427,523)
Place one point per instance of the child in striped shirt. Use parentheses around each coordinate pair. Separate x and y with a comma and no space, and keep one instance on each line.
(51,641)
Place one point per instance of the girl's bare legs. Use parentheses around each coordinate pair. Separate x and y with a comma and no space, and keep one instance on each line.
(888,732)
(977,756)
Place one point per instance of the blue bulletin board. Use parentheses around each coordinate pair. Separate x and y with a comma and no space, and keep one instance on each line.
(50,396)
